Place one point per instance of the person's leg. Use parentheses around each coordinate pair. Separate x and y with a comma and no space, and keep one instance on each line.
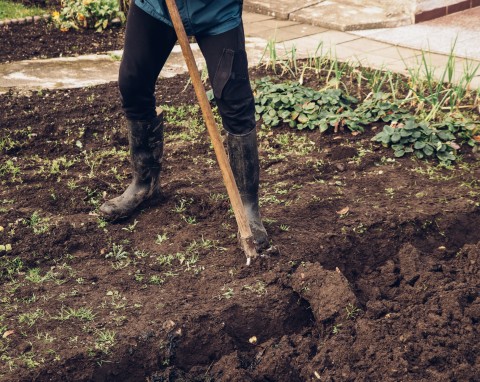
(148,43)
(228,71)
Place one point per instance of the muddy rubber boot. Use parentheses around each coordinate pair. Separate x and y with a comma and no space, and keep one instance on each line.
(243,158)
(146,150)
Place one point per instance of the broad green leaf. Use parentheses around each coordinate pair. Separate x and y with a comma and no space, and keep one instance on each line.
(419,145)
(396,137)
(428,150)
(302,118)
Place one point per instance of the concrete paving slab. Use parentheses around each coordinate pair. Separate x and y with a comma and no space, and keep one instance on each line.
(436,66)
(398,67)
(278,35)
(336,37)
(469,48)
(305,47)
(398,52)
(422,37)
(475,84)
(280,9)
(255,29)
(58,73)
(439,62)
(277,24)
(459,32)
(82,71)
(376,48)
(358,58)
(271,29)
(365,45)
(374,61)
(249,17)
(320,44)
(255,48)
(342,54)
(459,77)
(344,17)
(468,20)
(305,29)
(282,30)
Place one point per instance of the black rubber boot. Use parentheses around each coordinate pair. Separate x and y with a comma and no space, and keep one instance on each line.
(146,150)
(243,158)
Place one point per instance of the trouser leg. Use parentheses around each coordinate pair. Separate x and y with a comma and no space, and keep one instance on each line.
(148,43)
(228,71)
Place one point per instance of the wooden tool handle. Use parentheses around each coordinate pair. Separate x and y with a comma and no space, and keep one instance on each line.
(246,237)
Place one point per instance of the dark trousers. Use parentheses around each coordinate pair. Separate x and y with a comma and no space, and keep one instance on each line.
(149,42)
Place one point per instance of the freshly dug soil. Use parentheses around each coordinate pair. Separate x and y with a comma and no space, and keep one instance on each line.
(376,277)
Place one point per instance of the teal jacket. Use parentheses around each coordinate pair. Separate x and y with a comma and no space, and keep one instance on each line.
(200,17)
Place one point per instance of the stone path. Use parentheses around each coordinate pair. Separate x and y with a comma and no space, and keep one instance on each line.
(394,49)
(89,70)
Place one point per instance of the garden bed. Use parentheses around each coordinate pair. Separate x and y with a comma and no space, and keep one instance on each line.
(377,276)
(43,40)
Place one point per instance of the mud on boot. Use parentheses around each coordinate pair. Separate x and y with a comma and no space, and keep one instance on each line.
(244,161)
(146,151)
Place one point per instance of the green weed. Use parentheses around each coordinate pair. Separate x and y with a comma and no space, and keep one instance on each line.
(30,318)
(78,14)
(105,340)
(82,313)
(38,224)
(117,253)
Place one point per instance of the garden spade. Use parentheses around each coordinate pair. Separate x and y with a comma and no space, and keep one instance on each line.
(246,237)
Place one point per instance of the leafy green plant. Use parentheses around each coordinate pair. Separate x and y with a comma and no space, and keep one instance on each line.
(105,340)
(336,328)
(118,253)
(82,313)
(37,223)
(30,318)
(34,275)
(378,107)
(302,107)
(9,267)
(467,130)
(228,294)
(156,280)
(87,14)
(352,311)
(131,227)
(299,106)
(7,143)
(441,91)
(259,288)
(161,238)
(424,140)
(9,168)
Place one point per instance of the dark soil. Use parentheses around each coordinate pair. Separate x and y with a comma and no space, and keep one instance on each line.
(43,40)
(377,276)
(48,4)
